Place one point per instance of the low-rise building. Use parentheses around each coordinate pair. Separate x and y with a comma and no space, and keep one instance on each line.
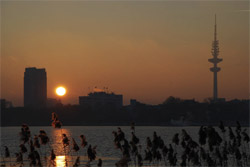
(96,100)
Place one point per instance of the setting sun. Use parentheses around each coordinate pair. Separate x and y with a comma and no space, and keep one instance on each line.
(60,91)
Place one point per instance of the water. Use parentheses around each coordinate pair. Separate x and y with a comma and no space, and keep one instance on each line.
(100,136)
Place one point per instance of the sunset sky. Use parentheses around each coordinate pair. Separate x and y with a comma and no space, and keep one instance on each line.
(146,50)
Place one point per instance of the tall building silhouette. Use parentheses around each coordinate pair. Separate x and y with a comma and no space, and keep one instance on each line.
(215,60)
(35,87)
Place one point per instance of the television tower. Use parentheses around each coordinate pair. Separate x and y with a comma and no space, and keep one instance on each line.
(215,60)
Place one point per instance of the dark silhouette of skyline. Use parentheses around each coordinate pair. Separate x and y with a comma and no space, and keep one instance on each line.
(143,56)
(35,87)
(97,100)
(173,112)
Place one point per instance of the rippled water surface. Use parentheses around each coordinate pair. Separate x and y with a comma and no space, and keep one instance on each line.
(100,136)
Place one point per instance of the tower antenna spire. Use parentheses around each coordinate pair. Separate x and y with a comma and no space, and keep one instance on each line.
(215,28)
(215,60)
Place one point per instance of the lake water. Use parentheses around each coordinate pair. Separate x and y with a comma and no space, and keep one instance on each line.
(100,136)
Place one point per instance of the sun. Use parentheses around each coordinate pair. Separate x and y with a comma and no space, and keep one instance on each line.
(60,91)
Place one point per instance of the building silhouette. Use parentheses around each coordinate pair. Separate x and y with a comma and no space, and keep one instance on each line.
(35,87)
(215,60)
(52,102)
(97,100)
(3,104)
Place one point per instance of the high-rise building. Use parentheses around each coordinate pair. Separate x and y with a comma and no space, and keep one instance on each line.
(35,87)
(215,60)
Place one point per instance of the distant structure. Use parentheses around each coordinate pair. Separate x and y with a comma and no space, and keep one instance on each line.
(133,102)
(101,99)
(35,87)
(215,60)
(51,102)
(5,104)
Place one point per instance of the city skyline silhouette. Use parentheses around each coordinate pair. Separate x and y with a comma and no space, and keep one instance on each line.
(129,83)
(144,50)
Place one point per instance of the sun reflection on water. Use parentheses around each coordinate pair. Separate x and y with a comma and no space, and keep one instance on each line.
(57,141)
(60,161)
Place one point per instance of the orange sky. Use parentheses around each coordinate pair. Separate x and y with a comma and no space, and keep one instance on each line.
(143,50)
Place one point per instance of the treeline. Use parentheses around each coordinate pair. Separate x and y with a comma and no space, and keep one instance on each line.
(173,112)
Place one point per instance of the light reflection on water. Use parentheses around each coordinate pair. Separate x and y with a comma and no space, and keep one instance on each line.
(60,161)
(57,140)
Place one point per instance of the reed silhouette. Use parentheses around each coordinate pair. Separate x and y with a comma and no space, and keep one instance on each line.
(210,150)
(216,146)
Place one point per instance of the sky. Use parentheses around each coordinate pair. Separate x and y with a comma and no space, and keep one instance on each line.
(145,50)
